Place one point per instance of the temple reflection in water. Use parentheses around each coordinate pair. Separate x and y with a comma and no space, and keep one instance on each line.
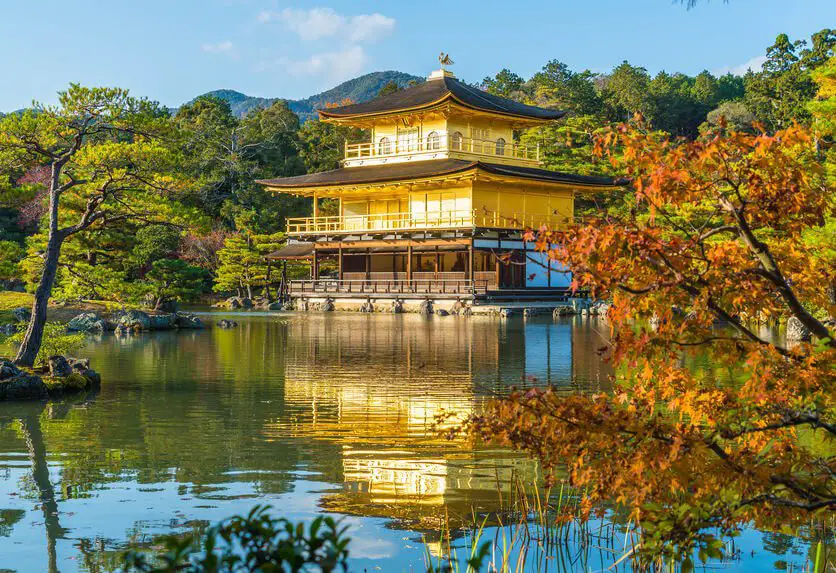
(307,413)
(377,390)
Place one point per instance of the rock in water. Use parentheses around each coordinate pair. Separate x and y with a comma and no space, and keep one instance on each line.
(461,309)
(367,306)
(441,312)
(562,311)
(397,306)
(8,370)
(86,322)
(224,323)
(162,321)
(22,314)
(187,320)
(136,320)
(79,364)
(796,330)
(425,308)
(23,386)
(59,366)
(328,305)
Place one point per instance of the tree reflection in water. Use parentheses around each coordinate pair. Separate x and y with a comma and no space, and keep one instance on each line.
(309,413)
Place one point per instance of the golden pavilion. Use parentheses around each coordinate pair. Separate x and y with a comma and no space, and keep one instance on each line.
(435,203)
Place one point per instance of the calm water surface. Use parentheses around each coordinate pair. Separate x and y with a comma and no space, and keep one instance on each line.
(311,414)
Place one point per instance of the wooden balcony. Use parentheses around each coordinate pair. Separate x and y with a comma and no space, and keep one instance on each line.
(392,288)
(441,144)
(442,220)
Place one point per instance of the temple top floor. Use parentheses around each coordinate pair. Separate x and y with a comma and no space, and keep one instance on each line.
(441,118)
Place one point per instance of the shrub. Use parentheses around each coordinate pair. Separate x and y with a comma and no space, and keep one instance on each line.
(56,341)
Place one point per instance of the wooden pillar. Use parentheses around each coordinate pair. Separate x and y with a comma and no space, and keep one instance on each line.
(498,269)
(315,266)
(285,288)
(471,259)
(437,260)
(340,262)
(267,280)
(409,263)
(315,206)
(368,265)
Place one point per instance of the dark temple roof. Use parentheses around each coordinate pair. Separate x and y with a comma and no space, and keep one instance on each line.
(435,91)
(293,251)
(433,168)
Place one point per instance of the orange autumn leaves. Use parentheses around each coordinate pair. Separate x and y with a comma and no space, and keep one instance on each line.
(714,421)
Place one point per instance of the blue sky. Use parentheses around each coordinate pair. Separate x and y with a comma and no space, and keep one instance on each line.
(172,50)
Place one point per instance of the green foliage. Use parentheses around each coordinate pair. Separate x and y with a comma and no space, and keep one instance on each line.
(735,114)
(390,88)
(155,242)
(243,265)
(173,279)
(626,92)
(256,542)
(321,144)
(506,83)
(567,146)
(10,255)
(225,155)
(557,85)
(56,340)
(778,95)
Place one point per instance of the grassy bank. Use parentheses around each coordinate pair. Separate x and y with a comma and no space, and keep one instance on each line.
(9,300)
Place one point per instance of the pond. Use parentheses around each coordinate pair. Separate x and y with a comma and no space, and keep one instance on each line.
(320,413)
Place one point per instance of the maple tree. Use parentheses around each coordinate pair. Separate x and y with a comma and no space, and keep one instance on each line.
(713,423)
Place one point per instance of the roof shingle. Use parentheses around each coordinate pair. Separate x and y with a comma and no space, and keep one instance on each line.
(429,168)
(435,91)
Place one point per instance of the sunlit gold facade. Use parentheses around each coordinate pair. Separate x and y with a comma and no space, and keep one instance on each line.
(436,199)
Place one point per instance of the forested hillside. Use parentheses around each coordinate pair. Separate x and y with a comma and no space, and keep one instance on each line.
(208,153)
(359,89)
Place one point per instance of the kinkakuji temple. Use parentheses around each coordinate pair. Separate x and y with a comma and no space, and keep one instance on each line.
(435,204)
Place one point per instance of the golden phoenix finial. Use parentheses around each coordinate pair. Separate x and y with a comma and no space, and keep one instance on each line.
(445,60)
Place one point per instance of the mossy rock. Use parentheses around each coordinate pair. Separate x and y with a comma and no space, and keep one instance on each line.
(23,386)
(75,382)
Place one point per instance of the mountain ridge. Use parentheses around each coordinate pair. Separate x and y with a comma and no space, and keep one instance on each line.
(359,89)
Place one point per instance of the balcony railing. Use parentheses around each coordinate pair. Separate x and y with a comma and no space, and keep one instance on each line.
(440,285)
(421,221)
(442,143)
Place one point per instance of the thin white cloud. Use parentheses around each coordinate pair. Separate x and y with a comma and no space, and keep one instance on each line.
(218,48)
(335,66)
(755,64)
(318,23)
(371,27)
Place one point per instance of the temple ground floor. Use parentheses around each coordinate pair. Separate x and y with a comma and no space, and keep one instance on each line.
(479,268)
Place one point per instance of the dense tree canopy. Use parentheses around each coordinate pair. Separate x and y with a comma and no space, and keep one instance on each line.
(712,424)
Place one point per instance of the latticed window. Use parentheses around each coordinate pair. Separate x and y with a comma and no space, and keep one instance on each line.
(456,140)
(407,139)
(433,141)
(384,146)
(500,146)
(480,133)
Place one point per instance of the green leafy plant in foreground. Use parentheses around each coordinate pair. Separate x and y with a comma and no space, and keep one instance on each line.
(257,542)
